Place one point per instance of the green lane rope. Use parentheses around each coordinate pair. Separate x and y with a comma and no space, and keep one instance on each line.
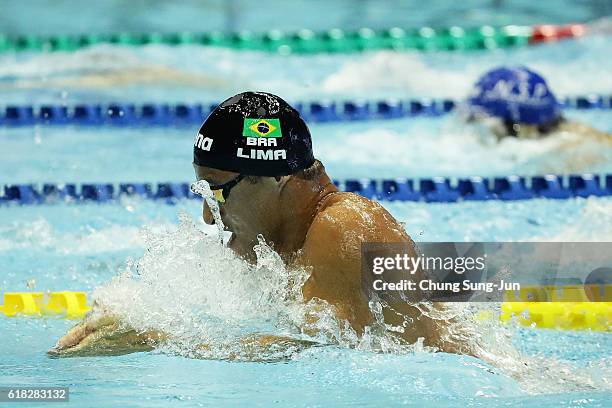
(300,42)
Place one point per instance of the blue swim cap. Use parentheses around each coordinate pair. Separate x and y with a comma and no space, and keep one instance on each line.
(514,94)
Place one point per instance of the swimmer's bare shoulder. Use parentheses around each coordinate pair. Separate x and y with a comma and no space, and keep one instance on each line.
(332,252)
(584,130)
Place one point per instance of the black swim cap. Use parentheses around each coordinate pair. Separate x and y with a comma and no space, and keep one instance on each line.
(254,133)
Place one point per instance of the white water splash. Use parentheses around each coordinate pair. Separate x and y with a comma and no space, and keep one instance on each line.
(189,285)
(202,188)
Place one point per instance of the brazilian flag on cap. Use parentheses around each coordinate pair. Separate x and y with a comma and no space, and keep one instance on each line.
(261,128)
(232,137)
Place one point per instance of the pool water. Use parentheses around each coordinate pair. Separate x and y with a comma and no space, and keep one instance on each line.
(234,15)
(321,377)
(150,272)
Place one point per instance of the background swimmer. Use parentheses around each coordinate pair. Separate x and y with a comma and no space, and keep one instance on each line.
(517,102)
(289,200)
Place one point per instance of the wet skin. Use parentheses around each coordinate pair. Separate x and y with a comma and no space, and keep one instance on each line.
(311,225)
(526,131)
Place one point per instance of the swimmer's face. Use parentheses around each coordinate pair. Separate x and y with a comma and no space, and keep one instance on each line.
(249,209)
(523,131)
(498,128)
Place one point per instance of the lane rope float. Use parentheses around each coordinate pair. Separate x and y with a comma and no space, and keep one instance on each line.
(66,304)
(437,189)
(162,114)
(310,42)
(559,315)
(569,308)
(572,307)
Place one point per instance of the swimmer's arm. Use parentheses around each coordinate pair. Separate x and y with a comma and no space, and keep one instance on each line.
(106,335)
(257,347)
(585,130)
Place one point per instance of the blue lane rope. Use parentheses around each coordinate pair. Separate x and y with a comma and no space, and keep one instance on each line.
(435,189)
(127,114)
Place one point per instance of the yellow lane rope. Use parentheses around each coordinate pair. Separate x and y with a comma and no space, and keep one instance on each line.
(554,307)
(71,305)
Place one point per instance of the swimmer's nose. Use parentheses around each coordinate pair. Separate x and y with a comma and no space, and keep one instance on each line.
(207,215)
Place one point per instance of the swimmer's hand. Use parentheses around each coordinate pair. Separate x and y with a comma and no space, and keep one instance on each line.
(104,336)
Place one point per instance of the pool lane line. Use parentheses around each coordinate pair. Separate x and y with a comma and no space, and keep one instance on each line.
(66,304)
(549,33)
(189,114)
(306,41)
(560,307)
(559,315)
(432,190)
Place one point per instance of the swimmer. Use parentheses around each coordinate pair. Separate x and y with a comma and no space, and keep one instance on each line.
(517,102)
(255,151)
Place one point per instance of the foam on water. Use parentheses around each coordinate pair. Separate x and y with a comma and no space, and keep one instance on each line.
(39,232)
(591,225)
(449,147)
(202,188)
(451,75)
(194,73)
(189,285)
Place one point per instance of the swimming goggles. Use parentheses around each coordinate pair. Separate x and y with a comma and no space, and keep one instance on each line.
(221,191)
